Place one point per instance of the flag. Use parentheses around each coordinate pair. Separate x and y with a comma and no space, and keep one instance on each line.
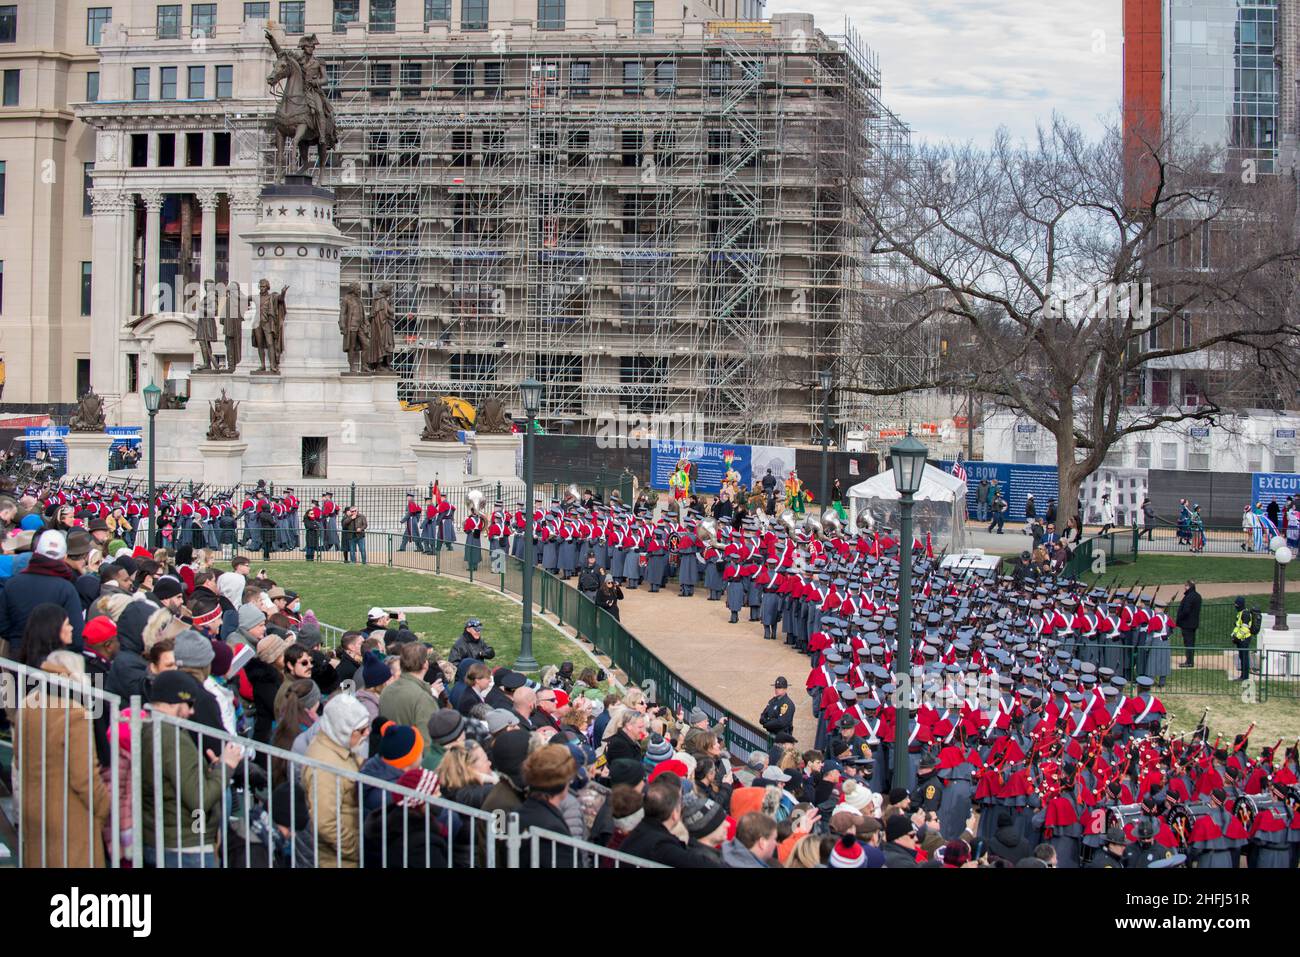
(959,470)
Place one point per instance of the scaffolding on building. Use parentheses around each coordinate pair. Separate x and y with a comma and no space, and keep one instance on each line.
(648,225)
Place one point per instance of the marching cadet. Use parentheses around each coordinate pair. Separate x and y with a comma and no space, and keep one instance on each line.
(411,524)
(735,588)
(688,566)
(330,516)
(778,716)
(656,570)
(429,527)
(770,610)
(446,516)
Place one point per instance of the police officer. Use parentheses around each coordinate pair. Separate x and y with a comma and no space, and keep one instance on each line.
(1114,853)
(1145,852)
(778,716)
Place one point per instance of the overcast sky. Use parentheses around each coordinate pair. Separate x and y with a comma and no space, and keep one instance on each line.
(957,69)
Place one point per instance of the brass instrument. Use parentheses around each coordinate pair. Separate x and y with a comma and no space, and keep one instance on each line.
(475,499)
(787,519)
(831,523)
(865,521)
(708,532)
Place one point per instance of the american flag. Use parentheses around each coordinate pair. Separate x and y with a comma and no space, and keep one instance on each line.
(959,470)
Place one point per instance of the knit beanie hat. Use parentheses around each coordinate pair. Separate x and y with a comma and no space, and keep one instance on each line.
(375,670)
(848,852)
(445,725)
(99,630)
(626,771)
(702,816)
(193,650)
(250,616)
(657,751)
(400,745)
(343,714)
(223,656)
(270,648)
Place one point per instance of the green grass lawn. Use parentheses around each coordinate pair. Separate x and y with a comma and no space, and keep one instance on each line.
(1229,716)
(1176,569)
(342,594)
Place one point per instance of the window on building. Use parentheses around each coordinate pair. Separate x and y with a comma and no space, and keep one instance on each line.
(166,149)
(461,145)
(462,78)
(133,372)
(2,286)
(1283,462)
(412,73)
(85,289)
(139,150)
(474,14)
(632,77)
(665,77)
(381,79)
(719,74)
(383,16)
(632,140)
(377,147)
(87,208)
(9,23)
(643,17)
(292,15)
(1026,457)
(437,11)
(140,83)
(203,20)
(1198,461)
(492,78)
(197,82)
(257,11)
(550,14)
(579,144)
(92,86)
(167,83)
(193,149)
(3,184)
(225,82)
(1143,455)
(220,149)
(1169,455)
(1254,458)
(83,376)
(345,12)
(169,21)
(96,17)
(11,87)
(580,78)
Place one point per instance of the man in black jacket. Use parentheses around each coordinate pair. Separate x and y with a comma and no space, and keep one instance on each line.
(470,644)
(900,836)
(349,656)
(47,578)
(1188,620)
(652,839)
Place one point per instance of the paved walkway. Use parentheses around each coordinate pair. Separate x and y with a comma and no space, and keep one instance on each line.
(730,663)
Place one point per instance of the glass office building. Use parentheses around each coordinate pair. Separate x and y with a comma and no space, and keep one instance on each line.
(1221,79)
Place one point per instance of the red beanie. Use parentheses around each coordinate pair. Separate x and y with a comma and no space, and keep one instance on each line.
(99,630)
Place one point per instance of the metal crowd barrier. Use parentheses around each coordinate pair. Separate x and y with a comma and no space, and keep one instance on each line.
(233,828)
(57,725)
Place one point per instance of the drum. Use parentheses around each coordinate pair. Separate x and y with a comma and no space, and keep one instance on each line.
(1182,818)
(1250,806)
(1123,815)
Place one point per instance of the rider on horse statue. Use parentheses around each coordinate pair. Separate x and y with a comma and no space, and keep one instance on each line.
(303,113)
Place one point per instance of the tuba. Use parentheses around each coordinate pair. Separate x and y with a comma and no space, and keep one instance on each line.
(866,522)
(813,525)
(786,518)
(761,516)
(708,533)
(572,493)
(831,524)
(476,500)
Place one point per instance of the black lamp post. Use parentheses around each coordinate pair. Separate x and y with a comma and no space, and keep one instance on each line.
(152,400)
(530,390)
(1282,556)
(908,461)
(824,377)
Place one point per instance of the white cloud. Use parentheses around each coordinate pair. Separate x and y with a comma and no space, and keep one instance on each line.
(958,69)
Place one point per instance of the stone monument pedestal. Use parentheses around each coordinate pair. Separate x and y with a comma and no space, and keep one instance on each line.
(494,457)
(443,462)
(88,452)
(223,462)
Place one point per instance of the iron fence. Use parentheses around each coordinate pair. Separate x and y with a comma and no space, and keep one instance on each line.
(1171,539)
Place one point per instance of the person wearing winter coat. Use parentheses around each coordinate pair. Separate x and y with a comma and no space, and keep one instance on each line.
(547,773)
(331,797)
(129,673)
(754,844)
(47,579)
(400,748)
(408,833)
(66,804)
(653,839)
(470,644)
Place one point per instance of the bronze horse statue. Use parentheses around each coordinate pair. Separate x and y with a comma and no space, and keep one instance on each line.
(303,114)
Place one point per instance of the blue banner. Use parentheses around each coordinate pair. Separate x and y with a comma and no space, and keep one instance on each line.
(1266,486)
(1014,481)
(712,461)
(51,439)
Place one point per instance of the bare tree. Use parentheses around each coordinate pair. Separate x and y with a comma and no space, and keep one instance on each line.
(1060,268)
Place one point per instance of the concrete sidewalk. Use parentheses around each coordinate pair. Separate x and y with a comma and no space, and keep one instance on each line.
(732,664)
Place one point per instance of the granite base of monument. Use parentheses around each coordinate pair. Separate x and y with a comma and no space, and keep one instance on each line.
(442,462)
(223,462)
(495,457)
(87,452)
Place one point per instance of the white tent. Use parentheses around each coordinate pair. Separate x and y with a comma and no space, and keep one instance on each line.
(940,506)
